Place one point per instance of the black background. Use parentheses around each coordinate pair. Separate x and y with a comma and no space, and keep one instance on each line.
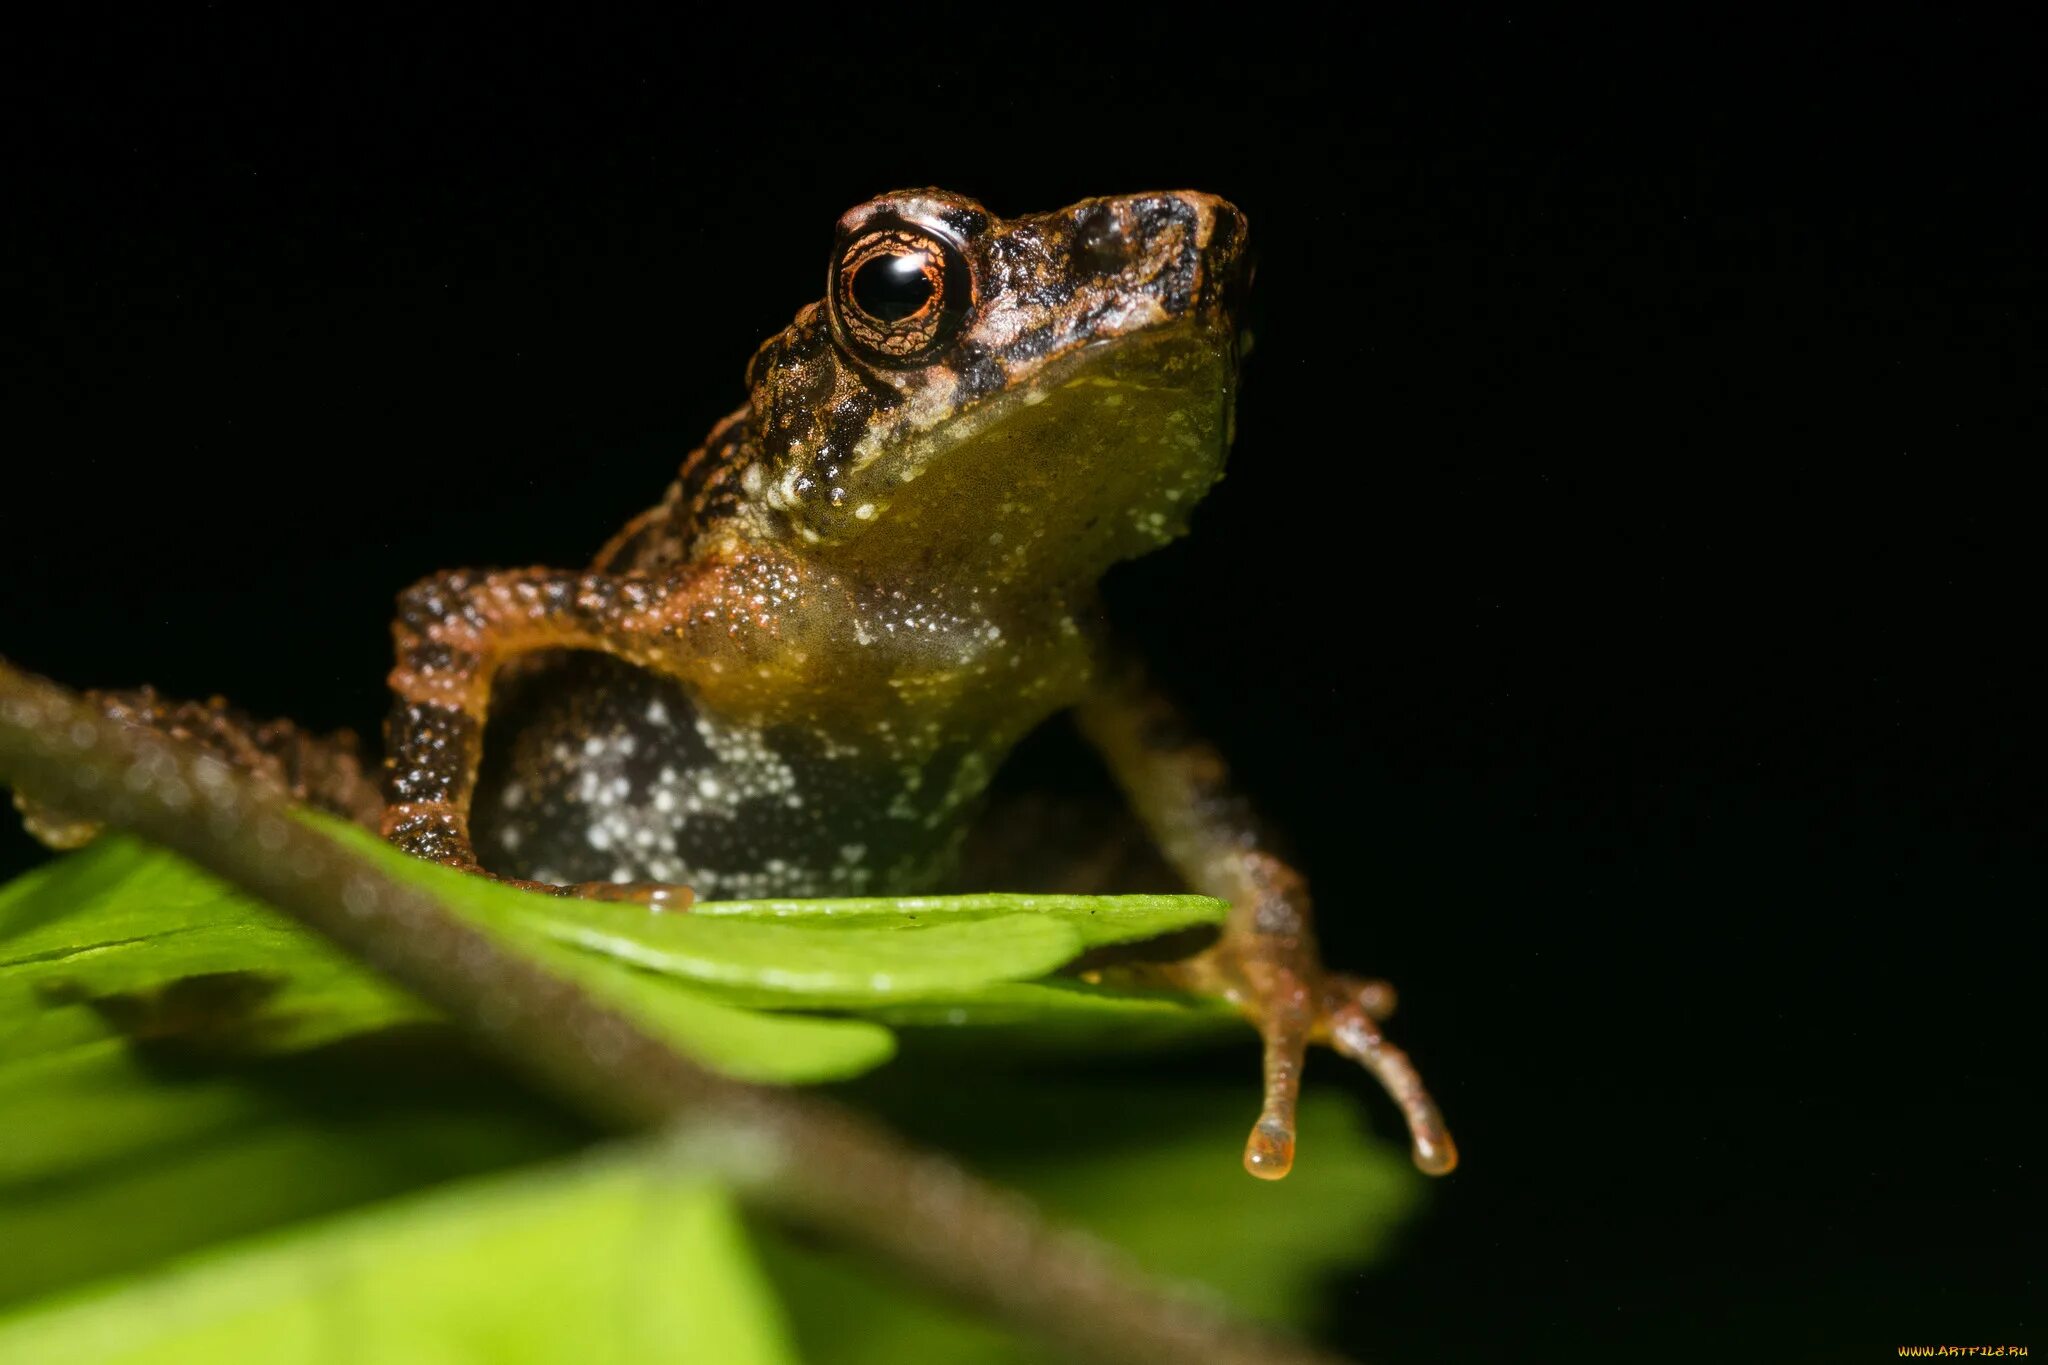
(1623,592)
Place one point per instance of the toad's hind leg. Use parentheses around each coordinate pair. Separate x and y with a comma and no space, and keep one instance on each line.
(323,771)
(453,633)
(1266,962)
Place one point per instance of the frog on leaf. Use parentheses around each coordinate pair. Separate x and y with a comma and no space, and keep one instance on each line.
(796,675)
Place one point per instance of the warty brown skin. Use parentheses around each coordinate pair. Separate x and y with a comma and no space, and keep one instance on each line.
(797,673)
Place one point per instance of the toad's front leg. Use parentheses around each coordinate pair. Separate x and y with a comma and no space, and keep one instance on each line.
(1266,962)
(454,632)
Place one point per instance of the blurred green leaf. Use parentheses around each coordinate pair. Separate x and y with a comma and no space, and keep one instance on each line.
(620,1260)
(1061,1015)
(1148,1166)
(118,1155)
(1059,1000)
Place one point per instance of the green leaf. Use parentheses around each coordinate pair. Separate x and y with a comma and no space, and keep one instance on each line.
(1062,1014)
(127,940)
(1098,919)
(796,965)
(1150,1167)
(747,1044)
(124,940)
(623,1260)
(156,946)
(819,953)
(116,1156)
(1059,1001)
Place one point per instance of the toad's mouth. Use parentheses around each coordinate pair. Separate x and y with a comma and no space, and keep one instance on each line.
(1098,455)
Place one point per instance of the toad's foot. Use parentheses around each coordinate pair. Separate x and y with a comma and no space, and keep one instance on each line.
(1266,962)
(1349,1021)
(1266,965)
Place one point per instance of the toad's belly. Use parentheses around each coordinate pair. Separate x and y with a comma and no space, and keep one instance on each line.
(595,770)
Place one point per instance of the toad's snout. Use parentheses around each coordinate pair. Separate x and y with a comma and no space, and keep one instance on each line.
(1188,245)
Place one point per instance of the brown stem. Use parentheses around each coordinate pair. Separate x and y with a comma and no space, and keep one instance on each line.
(807,1160)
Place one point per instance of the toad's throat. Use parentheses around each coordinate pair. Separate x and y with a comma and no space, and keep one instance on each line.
(1099,458)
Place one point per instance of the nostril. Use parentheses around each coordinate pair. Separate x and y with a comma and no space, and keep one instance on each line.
(1099,241)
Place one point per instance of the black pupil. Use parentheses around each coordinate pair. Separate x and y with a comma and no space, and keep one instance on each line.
(891,288)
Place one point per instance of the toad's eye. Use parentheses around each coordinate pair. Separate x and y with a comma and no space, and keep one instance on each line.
(900,293)
(890,287)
